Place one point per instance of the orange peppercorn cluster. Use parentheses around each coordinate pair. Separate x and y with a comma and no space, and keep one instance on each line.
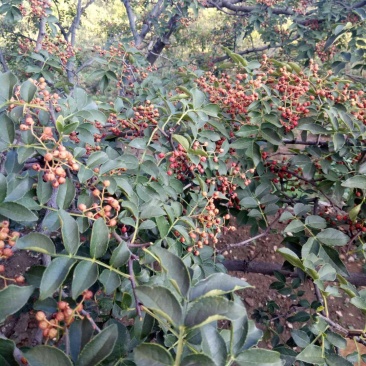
(53,328)
(8,239)
(107,208)
(144,117)
(209,225)
(56,163)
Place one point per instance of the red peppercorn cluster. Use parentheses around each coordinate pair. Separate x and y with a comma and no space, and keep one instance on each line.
(298,92)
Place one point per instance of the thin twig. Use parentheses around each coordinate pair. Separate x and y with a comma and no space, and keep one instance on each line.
(133,284)
(91,320)
(266,232)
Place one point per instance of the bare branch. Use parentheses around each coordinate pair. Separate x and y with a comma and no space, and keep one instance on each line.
(132,20)
(41,34)
(3,61)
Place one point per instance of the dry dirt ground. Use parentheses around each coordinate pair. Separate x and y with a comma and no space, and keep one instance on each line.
(264,250)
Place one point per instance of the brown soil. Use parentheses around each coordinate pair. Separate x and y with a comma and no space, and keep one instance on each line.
(264,250)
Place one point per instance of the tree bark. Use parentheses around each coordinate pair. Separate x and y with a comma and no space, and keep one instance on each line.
(161,43)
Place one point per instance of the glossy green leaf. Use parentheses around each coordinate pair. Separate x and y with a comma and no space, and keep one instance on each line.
(120,255)
(259,357)
(65,194)
(70,232)
(358,181)
(332,237)
(27,91)
(15,211)
(198,359)
(85,275)
(99,238)
(36,242)
(217,284)
(161,300)
(213,345)
(175,268)
(311,354)
(12,299)
(46,356)
(54,276)
(80,333)
(315,222)
(208,309)
(110,281)
(148,354)
(99,348)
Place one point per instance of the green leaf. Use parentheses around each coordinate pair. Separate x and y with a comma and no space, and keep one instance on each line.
(70,232)
(6,353)
(213,345)
(332,237)
(338,141)
(110,280)
(315,222)
(300,338)
(161,301)
(3,187)
(358,181)
(217,284)
(120,255)
(99,348)
(359,302)
(291,257)
(271,136)
(54,276)
(7,82)
(99,239)
(150,354)
(176,270)
(7,132)
(19,189)
(208,309)
(311,354)
(198,359)
(301,317)
(182,140)
(46,356)
(65,194)
(15,211)
(336,360)
(44,190)
(37,242)
(294,226)
(163,226)
(353,213)
(12,299)
(259,357)
(151,210)
(198,98)
(27,91)
(85,275)
(211,109)
(80,333)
